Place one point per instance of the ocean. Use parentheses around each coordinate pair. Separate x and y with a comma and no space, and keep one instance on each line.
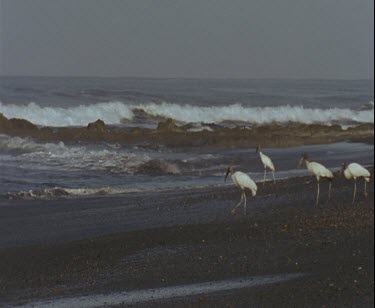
(30,169)
(78,101)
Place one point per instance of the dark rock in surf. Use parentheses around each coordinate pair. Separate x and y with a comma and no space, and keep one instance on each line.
(158,167)
(21,124)
(362,127)
(4,123)
(97,126)
(16,124)
(46,131)
(168,126)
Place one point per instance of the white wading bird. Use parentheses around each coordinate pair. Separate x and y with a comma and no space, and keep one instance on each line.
(267,163)
(320,172)
(354,171)
(243,181)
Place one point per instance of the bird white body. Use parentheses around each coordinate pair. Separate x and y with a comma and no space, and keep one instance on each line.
(355,171)
(320,172)
(243,181)
(267,163)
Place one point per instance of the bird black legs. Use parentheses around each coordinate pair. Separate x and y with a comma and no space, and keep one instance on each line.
(265,175)
(355,190)
(243,199)
(329,191)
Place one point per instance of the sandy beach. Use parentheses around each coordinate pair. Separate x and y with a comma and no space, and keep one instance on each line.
(185,237)
(186,154)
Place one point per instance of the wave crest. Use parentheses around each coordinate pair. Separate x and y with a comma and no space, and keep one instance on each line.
(117,112)
(258,115)
(110,113)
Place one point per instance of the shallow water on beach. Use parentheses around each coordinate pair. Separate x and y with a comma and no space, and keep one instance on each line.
(54,170)
(142,296)
(30,169)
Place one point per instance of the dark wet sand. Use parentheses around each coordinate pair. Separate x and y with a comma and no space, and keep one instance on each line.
(283,233)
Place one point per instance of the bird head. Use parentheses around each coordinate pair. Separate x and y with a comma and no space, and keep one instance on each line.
(229,170)
(304,157)
(343,168)
(257,149)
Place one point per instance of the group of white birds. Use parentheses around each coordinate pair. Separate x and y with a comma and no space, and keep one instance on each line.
(352,171)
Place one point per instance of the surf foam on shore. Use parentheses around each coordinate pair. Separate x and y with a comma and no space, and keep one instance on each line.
(113,113)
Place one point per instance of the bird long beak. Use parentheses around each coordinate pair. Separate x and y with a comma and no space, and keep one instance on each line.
(226,175)
(300,163)
(341,171)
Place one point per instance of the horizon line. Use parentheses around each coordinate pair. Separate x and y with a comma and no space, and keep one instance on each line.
(187,78)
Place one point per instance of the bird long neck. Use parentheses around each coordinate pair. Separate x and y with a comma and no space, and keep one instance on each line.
(347,174)
(307,162)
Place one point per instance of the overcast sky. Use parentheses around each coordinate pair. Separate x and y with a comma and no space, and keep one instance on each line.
(202,38)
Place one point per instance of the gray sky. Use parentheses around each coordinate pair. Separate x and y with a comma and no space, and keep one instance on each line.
(210,38)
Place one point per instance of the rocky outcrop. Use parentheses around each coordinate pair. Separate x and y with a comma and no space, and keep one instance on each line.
(21,124)
(97,126)
(158,167)
(15,124)
(4,123)
(167,126)
(169,134)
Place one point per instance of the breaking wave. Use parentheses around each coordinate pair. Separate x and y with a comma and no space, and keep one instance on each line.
(59,192)
(110,113)
(258,115)
(106,157)
(116,112)
(73,158)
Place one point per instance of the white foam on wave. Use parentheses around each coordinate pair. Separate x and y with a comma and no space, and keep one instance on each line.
(60,192)
(103,157)
(110,113)
(61,156)
(257,115)
(115,112)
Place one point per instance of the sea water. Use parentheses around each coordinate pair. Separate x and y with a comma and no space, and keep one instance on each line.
(30,169)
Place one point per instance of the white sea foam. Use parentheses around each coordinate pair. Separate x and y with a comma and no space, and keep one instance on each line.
(56,192)
(75,158)
(115,112)
(110,113)
(59,155)
(257,115)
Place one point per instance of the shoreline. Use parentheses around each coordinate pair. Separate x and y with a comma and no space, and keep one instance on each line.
(284,233)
